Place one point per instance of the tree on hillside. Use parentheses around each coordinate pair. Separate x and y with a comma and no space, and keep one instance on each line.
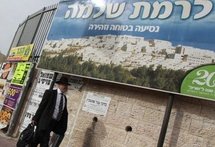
(158,78)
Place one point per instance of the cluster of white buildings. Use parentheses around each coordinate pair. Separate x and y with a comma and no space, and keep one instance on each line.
(131,52)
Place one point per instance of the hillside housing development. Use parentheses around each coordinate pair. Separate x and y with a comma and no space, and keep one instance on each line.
(132,52)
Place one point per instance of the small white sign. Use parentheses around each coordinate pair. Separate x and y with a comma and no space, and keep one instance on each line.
(97,104)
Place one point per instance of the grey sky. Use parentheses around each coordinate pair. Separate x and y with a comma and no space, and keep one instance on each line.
(14,12)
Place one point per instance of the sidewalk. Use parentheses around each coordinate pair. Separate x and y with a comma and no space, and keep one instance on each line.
(7,141)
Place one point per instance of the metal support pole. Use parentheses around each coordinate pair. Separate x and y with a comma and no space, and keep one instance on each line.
(165,121)
(53,81)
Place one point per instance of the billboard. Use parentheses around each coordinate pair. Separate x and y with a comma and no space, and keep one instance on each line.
(20,53)
(21,73)
(149,44)
(5,115)
(5,70)
(12,96)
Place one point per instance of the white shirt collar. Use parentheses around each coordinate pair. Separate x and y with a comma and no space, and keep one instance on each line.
(58,91)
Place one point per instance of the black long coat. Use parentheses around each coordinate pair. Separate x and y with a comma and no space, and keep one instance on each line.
(44,113)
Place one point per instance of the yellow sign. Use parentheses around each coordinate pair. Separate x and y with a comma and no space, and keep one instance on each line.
(20,53)
(21,73)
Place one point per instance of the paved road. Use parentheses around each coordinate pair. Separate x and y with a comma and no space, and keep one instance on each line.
(6,141)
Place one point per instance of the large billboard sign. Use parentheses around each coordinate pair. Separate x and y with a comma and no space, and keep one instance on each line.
(149,44)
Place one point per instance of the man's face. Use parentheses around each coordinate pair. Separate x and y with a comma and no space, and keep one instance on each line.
(63,87)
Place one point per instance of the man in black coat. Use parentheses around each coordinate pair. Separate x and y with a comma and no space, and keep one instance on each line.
(52,114)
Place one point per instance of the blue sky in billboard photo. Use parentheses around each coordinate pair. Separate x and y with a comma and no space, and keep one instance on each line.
(14,12)
(198,33)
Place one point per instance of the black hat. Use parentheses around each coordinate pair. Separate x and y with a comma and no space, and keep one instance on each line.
(63,80)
